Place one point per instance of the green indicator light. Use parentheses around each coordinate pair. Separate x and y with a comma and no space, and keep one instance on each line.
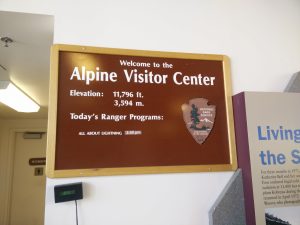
(66,193)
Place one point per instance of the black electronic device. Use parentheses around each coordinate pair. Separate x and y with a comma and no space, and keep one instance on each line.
(68,192)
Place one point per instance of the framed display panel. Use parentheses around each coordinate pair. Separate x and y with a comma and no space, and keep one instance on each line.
(116,111)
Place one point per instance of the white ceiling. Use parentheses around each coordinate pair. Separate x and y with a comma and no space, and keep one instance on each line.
(27,59)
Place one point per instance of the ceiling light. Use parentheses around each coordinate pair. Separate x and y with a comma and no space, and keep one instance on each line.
(13,97)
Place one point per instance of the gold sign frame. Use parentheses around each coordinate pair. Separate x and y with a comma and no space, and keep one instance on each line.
(53,125)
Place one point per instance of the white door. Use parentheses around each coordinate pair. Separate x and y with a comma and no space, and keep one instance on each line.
(28,182)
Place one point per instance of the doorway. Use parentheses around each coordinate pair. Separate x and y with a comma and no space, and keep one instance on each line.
(29,180)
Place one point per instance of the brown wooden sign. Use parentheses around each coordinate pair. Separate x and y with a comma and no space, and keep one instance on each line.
(115,111)
(37,161)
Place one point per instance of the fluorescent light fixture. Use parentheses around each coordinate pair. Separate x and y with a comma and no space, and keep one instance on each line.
(14,98)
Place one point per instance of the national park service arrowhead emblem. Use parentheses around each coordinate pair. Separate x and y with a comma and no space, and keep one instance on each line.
(199,118)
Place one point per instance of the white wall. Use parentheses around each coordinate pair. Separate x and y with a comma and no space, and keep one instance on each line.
(260,37)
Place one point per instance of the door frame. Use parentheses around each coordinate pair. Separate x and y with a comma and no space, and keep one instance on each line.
(10,167)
